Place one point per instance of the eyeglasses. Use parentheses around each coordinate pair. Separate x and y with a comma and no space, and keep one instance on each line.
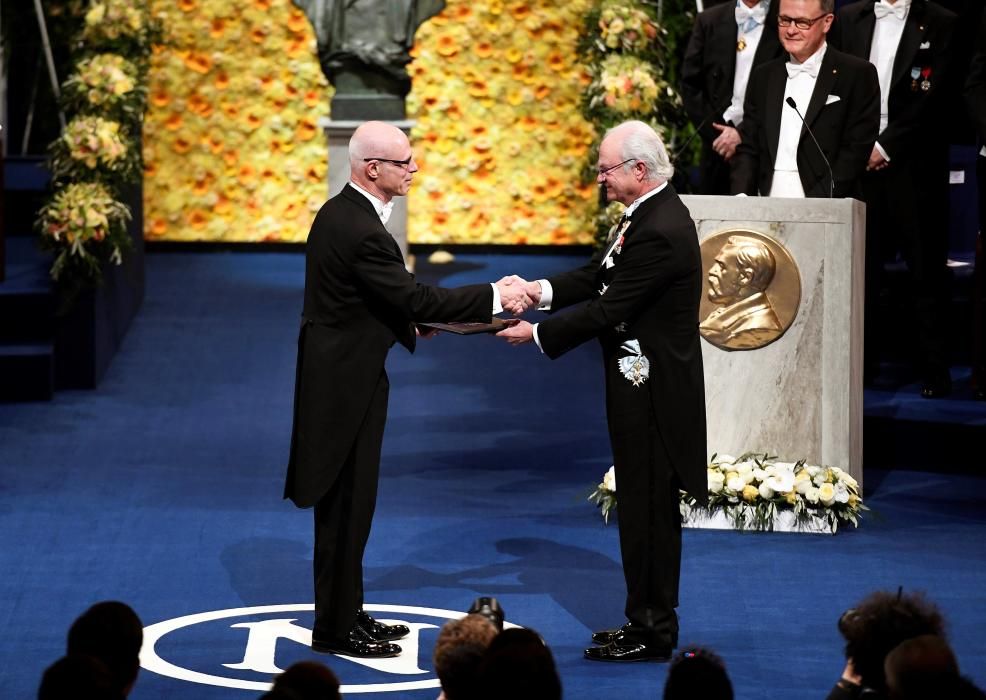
(603,172)
(799,22)
(403,163)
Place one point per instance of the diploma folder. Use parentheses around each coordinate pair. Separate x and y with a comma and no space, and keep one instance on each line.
(469,328)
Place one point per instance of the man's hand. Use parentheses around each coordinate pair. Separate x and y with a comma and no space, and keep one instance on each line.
(514,294)
(877,161)
(519,333)
(727,140)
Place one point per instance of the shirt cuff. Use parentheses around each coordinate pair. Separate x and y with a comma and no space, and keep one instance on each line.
(497,306)
(537,341)
(882,152)
(547,294)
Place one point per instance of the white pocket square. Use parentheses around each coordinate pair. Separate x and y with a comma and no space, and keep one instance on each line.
(832,99)
(924,45)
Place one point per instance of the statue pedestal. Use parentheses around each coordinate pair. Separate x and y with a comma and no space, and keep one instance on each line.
(802,395)
(338,133)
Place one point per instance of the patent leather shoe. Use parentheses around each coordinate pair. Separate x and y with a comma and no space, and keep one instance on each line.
(619,634)
(606,636)
(378,631)
(357,643)
(626,651)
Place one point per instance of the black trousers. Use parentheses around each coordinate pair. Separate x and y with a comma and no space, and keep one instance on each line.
(648,511)
(907,212)
(342,526)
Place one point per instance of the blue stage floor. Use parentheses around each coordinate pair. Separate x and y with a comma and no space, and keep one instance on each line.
(162,489)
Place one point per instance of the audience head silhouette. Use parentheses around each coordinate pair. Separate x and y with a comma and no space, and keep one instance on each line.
(697,673)
(78,677)
(518,665)
(458,653)
(881,622)
(112,633)
(305,680)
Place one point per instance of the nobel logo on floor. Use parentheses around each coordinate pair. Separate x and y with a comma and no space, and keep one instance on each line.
(245,647)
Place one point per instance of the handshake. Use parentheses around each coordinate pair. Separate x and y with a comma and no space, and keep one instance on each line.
(517,295)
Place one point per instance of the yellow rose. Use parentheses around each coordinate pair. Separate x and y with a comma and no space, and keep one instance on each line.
(826,494)
(750,493)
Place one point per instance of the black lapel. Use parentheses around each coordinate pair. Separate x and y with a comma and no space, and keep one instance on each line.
(914,31)
(828,73)
(776,83)
(352,195)
(726,47)
(861,31)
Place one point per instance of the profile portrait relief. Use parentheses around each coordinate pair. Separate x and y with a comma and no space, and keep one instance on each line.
(743,316)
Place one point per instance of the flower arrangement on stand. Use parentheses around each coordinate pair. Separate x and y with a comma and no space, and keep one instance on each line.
(624,49)
(757,492)
(98,155)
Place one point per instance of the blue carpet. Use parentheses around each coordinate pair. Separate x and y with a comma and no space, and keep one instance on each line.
(162,489)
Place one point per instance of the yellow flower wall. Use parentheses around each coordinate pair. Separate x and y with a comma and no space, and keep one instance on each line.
(233,151)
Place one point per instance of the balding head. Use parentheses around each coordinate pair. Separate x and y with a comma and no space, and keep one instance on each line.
(374,151)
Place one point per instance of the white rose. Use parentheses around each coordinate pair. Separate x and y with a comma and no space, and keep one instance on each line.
(802,486)
(818,479)
(760,474)
(609,480)
(811,494)
(782,482)
(766,492)
(813,471)
(716,480)
(748,477)
(724,459)
(744,467)
(736,483)
(841,493)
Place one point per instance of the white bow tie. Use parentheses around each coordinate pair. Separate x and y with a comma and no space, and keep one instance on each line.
(385,213)
(882,9)
(748,18)
(807,68)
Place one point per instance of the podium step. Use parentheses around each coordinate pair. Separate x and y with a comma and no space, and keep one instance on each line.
(27,371)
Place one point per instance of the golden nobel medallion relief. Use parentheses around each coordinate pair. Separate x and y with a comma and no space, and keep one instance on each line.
(751,292)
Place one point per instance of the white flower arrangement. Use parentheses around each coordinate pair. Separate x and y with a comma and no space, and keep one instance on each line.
(752,490)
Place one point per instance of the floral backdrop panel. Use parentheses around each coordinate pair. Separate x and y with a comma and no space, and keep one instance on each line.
(232,147)
(233,151)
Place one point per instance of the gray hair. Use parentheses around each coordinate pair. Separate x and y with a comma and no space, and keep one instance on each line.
(644,145)
(828,6)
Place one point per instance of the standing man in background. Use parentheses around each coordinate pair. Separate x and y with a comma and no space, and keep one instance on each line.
(642,292)
(906,181)
(727,42)
(975,96)
(839,97)
(359,300)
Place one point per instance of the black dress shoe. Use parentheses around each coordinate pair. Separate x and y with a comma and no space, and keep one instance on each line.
(606,636)
(629,651)
(357,643)
(378,631)
(619,635)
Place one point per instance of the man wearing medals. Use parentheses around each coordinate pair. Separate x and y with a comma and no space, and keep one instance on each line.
(906,185)
(728,40)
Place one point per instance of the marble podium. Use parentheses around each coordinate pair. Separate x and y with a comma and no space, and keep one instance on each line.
(801,395)
(338,134)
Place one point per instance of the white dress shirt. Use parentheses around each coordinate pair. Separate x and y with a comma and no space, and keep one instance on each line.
(883,51)
(786,181)
(744,64)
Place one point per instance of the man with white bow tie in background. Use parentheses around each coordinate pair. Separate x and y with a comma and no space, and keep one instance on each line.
(359,300)
(727,42)
(837,95)
(906,182)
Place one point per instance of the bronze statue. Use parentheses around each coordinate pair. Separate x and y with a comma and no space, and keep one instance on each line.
(744,319)
(364,45)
